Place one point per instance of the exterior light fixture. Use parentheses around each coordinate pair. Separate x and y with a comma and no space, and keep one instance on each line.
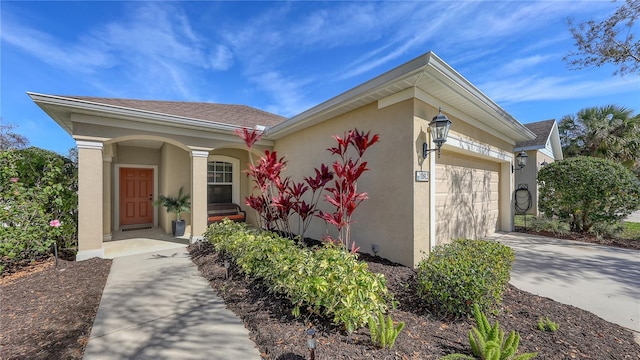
(439,127)
(544,163)
(227,265)
(521,159)
(311,343)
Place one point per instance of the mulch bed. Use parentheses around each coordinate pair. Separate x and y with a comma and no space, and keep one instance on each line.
(582,335)
(47,312)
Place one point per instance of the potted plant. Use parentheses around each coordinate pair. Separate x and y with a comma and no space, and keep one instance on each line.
(176,205)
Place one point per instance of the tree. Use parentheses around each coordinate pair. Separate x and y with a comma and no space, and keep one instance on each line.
(9,139)
(609,132)
(610,41)
(587,191)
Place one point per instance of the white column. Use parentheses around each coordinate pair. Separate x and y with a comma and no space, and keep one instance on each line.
(198,193)
(90,199)
(107,226)
(507,179)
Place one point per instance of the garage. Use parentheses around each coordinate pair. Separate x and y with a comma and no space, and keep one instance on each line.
(467,197)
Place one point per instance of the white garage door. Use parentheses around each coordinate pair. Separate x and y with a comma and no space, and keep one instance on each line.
(467,197)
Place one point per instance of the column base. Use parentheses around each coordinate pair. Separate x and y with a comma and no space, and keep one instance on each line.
(88,254)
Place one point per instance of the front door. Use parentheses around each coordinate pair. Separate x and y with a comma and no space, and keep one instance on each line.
(136,196)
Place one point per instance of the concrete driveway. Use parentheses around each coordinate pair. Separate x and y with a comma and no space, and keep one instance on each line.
(634,217)
(600,279)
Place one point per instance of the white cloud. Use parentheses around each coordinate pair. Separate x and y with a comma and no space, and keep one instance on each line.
(71,57)
(535,88)
(152,49)
(221,58)
(518,65)
(287,92)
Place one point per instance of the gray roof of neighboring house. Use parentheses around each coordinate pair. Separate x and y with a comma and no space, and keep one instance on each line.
(240,115)
(542,129)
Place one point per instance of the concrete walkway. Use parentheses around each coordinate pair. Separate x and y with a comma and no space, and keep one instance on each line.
(600,279)
(157,306)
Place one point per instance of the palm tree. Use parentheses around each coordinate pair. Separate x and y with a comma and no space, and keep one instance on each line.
(609,132)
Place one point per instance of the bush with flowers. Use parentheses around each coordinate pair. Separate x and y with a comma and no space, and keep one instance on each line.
(38,205)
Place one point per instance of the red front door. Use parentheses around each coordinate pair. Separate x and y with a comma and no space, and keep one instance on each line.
(136,196)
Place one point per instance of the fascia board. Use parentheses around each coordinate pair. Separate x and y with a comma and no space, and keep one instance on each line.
(555,142)
(59,117)
(528,148)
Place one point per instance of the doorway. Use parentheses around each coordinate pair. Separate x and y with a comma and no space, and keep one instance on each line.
(136,196)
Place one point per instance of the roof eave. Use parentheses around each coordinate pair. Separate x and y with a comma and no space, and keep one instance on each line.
(397,80)
(59,108)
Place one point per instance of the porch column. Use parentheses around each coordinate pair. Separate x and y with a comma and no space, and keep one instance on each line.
(198,193)
(107,158)
(90,199)
(506,210)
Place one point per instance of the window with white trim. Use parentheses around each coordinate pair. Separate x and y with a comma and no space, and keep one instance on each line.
(219,182)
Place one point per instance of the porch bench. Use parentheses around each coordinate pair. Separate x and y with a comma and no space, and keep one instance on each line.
(219,212)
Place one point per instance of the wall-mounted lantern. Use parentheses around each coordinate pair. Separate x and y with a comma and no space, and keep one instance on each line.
(521,159)
(544,163)
(439,127)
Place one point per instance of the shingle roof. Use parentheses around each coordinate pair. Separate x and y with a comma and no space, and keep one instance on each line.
(542,129)
(240,115)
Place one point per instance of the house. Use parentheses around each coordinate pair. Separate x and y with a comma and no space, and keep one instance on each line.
(542,150)
(132,150)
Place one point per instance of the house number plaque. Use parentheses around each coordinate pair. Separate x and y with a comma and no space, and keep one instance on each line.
(422,176)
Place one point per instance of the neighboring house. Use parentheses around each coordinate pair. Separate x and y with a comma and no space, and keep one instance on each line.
(542,150)
(159,146)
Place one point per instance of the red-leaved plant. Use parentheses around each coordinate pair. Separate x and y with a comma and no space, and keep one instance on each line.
(344,195)
(279,197)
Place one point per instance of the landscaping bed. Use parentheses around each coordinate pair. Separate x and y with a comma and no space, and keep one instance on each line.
(279,335)
(47,312)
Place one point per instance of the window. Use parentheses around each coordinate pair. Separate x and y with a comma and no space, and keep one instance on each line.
(219,182)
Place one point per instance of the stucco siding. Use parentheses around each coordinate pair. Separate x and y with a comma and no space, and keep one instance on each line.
(137,155)
(386,218)
(467,197)
(529,176)
(175,172)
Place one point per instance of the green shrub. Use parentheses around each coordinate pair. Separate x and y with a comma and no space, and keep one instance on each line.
(607,230)
(585,191)
(23,226)
(36,187)
(462,273)
(553,225)
(328,280)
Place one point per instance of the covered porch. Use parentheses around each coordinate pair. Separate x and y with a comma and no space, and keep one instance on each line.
(132,151)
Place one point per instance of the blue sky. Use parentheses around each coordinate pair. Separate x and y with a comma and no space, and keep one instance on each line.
(285,57)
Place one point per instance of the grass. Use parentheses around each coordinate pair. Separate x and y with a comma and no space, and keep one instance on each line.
(519,220)
(631,231)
